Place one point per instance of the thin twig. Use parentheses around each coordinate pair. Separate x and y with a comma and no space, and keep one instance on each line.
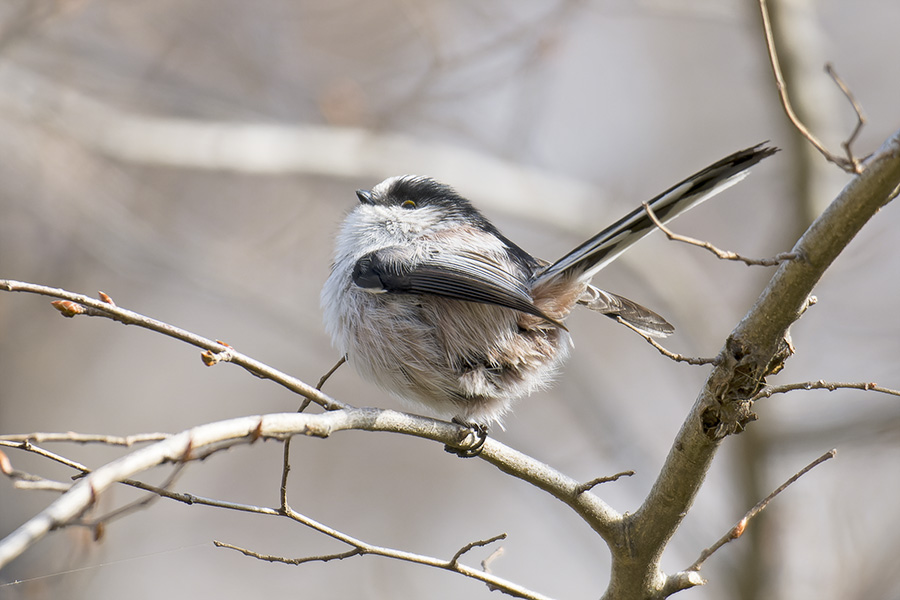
(79,304)
(476,544)
(722,254)
(24,480)
(821,384)
(361,548)
(330,372)
(739,528)
(154,495)
(84,438)
(286,451)
(289,561)
(860,118)
(27,446)
(285,471)
(486,563)
(588,485)
(668,353)
(847,165)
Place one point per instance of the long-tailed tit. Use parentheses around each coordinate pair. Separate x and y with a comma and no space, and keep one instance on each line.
(429,300)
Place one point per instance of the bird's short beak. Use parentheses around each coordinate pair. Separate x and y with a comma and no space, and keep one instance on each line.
(365,196)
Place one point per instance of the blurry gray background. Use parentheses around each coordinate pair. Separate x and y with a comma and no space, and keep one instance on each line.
(194,159)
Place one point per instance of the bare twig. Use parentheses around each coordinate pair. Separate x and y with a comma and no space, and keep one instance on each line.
(84,438)
(286,452)
(588,485)
(821,384)
(852,165)
(361,548)
(78,304)
(668,353)
(722,254)
(27,446)
(860,117)
(739,527)
(476,544)
(24,480)
(285,471)
(330,372)
(289,561)
(487,562)
(100,522)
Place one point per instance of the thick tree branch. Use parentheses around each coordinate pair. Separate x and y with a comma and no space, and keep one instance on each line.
(206,439)
(756,348)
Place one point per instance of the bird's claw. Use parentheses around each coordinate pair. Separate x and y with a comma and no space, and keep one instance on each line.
(476,430)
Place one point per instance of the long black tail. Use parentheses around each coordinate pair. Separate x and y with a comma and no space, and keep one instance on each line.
(606,246)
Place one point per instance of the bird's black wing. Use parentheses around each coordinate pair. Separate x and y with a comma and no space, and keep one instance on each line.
(459,275)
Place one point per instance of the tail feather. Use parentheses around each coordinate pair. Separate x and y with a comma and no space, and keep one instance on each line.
(619,307)
(597,252)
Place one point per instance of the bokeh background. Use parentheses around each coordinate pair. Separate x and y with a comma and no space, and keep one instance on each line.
(194,159)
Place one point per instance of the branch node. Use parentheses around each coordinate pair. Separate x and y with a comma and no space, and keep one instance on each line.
(211,358)
(680,582)
(188,450)
(257,431)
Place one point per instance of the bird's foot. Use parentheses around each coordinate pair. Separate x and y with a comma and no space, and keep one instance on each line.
(470,449)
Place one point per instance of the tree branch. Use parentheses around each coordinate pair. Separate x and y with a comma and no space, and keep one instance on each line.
(721,254)
(359,547)
(851,165)
(84,438)
(206,439)
(769,391)
(79,304)
(691,360)
(755,349)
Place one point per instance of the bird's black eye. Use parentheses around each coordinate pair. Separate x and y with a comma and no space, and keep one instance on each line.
(408,204)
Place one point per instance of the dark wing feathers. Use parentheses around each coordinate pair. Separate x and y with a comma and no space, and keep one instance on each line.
(476,278)
(461,276)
